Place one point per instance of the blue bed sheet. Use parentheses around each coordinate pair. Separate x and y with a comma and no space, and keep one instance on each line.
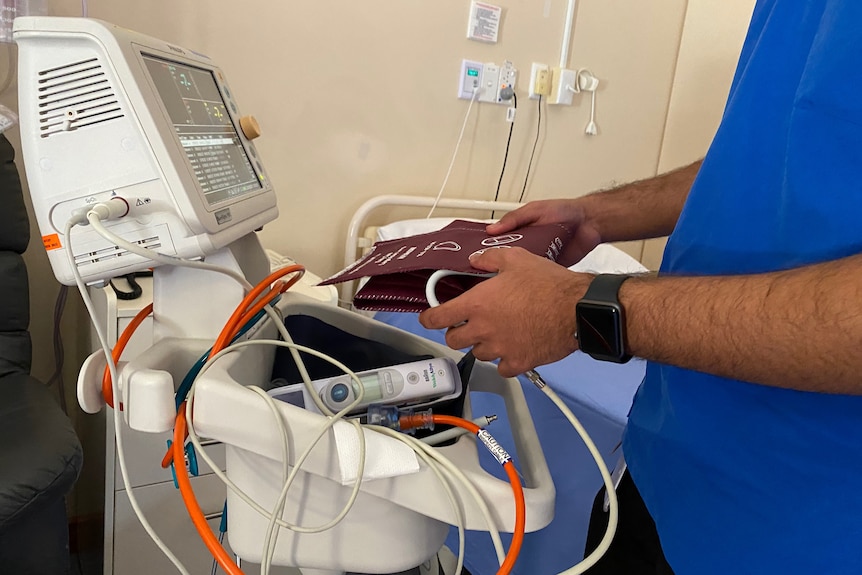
(600,395)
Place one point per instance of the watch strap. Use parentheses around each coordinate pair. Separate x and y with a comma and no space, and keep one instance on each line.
(606,287)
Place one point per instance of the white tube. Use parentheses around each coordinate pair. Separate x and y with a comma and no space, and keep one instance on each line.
(567,35)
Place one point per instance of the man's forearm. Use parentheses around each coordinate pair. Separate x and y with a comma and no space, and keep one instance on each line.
(640,210)
(799,329)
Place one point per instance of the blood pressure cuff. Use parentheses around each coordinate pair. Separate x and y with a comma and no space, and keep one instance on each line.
(399,269)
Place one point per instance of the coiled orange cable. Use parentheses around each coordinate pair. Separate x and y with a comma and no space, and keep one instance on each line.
(410,421)
(107,390)
(246,310)
(243,310)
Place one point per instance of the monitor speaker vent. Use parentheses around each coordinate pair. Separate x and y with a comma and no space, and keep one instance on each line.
(75,96)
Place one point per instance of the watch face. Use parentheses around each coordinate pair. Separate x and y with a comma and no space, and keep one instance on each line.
(599,333)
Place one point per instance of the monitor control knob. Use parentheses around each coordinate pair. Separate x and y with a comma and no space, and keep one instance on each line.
(250,127)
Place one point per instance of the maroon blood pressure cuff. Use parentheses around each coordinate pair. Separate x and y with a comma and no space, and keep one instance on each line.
(398,269)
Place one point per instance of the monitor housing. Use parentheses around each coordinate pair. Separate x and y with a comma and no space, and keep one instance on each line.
(108,112)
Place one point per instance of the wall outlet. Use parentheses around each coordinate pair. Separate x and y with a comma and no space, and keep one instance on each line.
(543,83)
(564,84)
(470,78)
(506,83)
(490,79)
(540,81)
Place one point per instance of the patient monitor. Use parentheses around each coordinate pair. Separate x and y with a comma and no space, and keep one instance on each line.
(107,112)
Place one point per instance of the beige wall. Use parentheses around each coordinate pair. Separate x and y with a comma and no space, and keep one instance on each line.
(711,40)
(357,99)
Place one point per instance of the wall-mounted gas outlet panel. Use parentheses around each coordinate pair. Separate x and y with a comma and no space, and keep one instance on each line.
(494,83)
(506,83)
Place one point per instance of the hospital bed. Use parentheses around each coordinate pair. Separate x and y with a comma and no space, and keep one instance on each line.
(599,393)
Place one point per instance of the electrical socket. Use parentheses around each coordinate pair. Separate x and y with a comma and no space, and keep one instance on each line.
(470,79)
(564,84)
(543,83)
(540,81)
(490,79)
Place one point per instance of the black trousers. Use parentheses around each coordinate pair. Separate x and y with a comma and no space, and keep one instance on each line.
(635,549)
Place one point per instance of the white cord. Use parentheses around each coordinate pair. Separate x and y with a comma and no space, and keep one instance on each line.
(431,284)
(428,454)
(165,259)
(269,547)
(455,154)
(94,218)
(285,441)
(330,422)
(592,129)
(118,436)
(448,465)
(474,493)
(438,471)
(605,543)
(613,510)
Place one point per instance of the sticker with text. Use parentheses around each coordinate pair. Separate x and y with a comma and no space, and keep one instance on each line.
(495,448)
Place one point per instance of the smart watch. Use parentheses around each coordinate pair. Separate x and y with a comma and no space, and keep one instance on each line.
(601,320)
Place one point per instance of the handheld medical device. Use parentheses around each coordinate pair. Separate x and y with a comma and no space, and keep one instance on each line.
(109,113)
(400,384)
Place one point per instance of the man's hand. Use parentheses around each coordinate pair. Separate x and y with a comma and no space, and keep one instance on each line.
(566,212)
(525,315)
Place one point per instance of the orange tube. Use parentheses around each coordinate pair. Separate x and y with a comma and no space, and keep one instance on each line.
(233,322)
(194,509)
(279,288)
(409,421)
(107,390)
(520,520)
(244,311)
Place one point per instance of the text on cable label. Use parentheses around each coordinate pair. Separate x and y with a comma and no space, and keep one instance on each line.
(495,448)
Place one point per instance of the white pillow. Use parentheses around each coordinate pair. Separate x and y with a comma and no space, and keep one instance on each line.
(607,259)
(404,228)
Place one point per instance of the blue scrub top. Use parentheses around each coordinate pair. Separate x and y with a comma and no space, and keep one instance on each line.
(744,478)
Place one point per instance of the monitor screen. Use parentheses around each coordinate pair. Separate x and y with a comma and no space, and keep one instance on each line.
(204,127)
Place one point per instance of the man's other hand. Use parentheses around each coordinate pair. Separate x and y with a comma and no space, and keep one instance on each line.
(567,212)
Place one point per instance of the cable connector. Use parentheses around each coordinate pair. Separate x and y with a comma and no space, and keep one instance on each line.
(400,419)
(191,461)
(534,376)
(112,209)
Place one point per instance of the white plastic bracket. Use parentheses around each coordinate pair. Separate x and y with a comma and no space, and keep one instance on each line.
(148,397)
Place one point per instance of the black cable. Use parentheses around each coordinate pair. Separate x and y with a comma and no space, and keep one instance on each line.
(506,155)
(533,153)
(59,351)
(128,295)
